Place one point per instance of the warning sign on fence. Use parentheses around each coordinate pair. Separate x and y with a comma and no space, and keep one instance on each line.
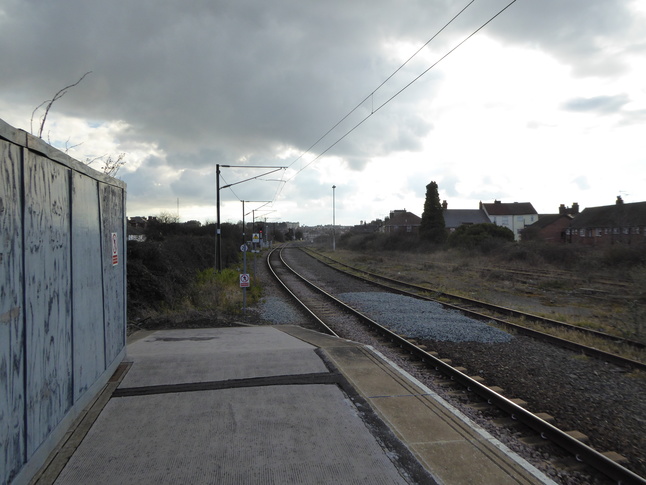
(115,249)
(244,280)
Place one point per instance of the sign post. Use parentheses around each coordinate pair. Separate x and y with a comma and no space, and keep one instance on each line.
(244,278)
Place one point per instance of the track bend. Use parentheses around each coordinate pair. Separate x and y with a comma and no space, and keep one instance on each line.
(315,284)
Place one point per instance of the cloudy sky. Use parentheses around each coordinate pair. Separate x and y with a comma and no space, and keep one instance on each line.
(546,104)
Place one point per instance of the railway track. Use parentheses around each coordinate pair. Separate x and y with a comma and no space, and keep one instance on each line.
(500,315)
(327,315)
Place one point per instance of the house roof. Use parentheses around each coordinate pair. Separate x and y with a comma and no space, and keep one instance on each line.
(458,217)
(403,218)
(509,209)
(545,220)
(618,215)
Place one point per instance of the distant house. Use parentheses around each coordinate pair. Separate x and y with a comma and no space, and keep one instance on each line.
(136,228)
(402,222)
(609,224)
(514,216)
(552,227)
(454,218)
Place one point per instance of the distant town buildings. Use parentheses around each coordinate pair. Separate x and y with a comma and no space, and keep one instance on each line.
(515,216)
(619,223)
(402,222)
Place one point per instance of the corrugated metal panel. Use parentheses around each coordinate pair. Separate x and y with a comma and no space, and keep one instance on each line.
(89,341)
(12,335)
(112,221)
(48,296)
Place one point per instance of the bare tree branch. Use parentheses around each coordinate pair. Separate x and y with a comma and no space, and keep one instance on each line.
(50,102)
(110,165)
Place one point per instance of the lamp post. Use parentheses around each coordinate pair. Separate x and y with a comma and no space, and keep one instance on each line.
(333,219)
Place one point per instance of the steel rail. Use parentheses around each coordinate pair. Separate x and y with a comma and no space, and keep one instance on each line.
(582,452)
(301,303)
(589,351)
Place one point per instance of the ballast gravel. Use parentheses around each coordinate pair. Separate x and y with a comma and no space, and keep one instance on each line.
(420,319)
(276,310)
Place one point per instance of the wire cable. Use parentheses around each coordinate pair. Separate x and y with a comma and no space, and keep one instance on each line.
(402,89)
(371,95)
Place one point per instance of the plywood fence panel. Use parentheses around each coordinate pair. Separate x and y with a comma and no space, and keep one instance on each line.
(12,335)
(48,296)
(62,295)
(87,285)
(112,210)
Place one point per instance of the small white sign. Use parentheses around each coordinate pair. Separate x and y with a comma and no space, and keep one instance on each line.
(115,249)
(244,280)
(256,237)
(243,248)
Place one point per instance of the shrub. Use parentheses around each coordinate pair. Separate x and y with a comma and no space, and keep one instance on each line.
(485,237)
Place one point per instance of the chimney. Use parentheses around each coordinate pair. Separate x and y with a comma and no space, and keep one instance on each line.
(562,210)
(619,200)
(444,204)
(575,208)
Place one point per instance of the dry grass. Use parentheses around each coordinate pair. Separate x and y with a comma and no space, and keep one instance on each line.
(606,303)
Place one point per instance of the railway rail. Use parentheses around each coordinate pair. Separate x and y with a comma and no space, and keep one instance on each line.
(474,308)
(604,463)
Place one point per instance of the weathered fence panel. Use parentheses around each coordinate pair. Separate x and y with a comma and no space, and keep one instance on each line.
(114,283)
(62,295)
(12,334)
(87,288)
(47,297)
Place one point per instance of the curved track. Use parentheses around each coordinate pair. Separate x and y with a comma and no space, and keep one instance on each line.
(295,284)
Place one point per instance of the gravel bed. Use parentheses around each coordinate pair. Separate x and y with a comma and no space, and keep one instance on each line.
(421,319)
(274,309)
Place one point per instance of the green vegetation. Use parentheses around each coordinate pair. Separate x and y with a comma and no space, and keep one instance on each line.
(172,272)
(485,237)
(432,228)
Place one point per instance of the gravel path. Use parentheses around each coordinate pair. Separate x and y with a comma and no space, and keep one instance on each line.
(598,399)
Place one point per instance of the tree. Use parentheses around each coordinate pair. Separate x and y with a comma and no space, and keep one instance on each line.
(432,228)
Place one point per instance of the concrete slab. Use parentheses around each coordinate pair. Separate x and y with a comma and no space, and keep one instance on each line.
(276,405)
(214,354)
(281,434)
(453,449)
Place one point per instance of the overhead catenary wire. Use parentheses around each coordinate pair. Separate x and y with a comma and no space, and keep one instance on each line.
(371,95)
(375,110)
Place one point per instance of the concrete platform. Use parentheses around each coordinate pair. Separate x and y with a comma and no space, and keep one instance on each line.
(273,405)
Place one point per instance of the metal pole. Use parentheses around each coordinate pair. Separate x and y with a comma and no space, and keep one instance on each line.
(244,265)
(333,219)
(218,234)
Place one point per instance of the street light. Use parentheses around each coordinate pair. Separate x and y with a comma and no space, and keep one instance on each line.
(333,219)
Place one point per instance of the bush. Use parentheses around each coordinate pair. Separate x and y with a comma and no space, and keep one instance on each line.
(485,237)
(163,270)
(619,256)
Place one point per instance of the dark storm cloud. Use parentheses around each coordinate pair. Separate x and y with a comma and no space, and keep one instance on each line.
(210,81)
(243,77)
(202,74)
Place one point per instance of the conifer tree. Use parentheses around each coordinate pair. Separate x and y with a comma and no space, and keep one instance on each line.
(432,228)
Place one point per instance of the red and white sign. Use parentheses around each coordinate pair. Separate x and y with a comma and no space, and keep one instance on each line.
(115,249)
(244,280)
